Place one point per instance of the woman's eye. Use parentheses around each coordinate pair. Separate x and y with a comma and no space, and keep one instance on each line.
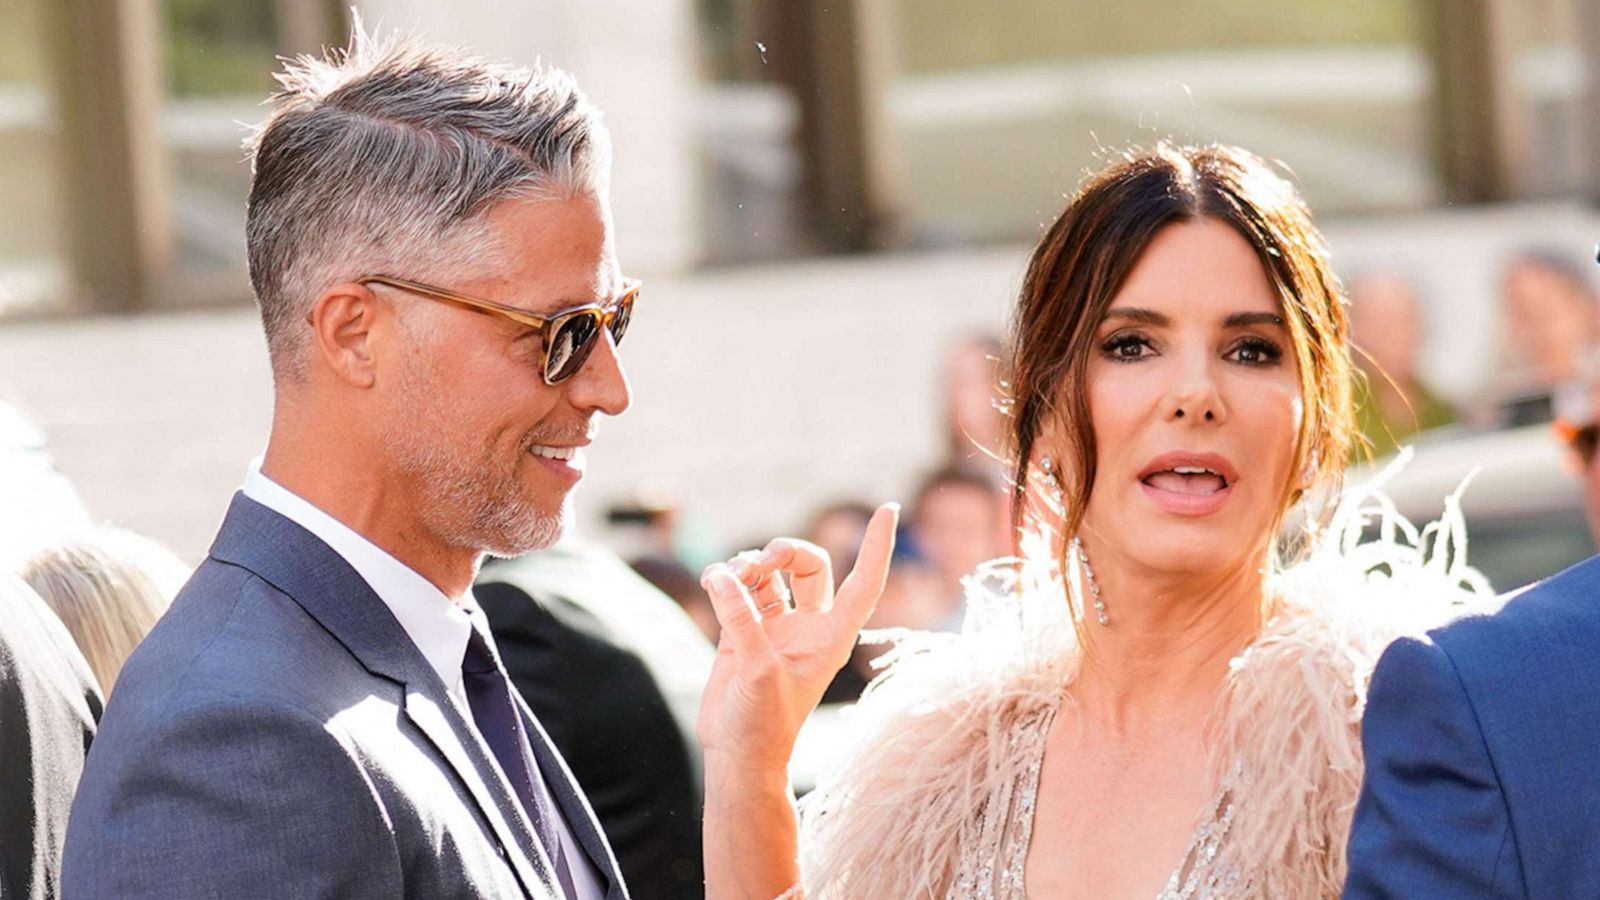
(1126,347)
(1256,352)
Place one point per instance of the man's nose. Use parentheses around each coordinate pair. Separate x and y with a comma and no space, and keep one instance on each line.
(601,384)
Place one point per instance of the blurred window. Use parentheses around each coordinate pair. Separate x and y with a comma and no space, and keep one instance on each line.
(1554,101)
(219,56)
(1000,108)
(32,267)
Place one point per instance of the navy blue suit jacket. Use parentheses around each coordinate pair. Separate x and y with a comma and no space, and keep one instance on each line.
(1483,755)
(279,735)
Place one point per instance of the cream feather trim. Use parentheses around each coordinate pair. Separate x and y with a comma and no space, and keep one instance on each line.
(937,734)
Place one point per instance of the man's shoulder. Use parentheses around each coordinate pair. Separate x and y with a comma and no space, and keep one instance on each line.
(1567,602)
(230,639)
(1540,644)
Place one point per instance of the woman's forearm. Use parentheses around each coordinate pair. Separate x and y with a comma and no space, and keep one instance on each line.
(751,833)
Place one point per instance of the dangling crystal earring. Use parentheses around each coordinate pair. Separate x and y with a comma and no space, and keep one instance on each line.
(1091,583)
(1047,468)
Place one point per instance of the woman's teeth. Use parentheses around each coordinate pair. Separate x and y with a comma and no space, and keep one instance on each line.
(561,453)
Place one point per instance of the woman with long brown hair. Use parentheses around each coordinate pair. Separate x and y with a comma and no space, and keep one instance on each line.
(1161,695)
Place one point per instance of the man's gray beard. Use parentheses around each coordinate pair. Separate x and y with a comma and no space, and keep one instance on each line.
(474,506)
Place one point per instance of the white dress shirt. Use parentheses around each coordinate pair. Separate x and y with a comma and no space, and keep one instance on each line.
(437,625)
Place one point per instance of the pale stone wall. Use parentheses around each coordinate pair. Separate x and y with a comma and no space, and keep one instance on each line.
(635,59)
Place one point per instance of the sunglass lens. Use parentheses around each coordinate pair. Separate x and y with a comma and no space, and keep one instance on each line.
(1585,442)
(622,319)
(569,347)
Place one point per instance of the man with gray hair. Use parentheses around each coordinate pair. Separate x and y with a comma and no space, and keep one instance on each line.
(323,712)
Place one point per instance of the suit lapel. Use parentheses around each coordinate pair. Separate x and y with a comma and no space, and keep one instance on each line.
(300,565)
(574,806)
(443,726)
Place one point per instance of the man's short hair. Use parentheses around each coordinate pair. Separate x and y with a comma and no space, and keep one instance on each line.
(383,158)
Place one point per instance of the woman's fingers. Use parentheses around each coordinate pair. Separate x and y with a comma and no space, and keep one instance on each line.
(765,586)
(859,593)
(735,610)
(810,571)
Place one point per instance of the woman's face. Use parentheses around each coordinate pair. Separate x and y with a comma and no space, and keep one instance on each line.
(1194,396)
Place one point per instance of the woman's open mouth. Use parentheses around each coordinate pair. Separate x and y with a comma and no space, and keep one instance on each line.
(1188,484)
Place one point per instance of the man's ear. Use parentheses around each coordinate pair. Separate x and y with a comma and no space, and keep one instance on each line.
(342,323)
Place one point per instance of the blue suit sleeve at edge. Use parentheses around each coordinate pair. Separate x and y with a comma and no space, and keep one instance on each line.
(1432,820)
(226,801)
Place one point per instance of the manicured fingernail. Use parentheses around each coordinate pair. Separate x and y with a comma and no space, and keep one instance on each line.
(709,574)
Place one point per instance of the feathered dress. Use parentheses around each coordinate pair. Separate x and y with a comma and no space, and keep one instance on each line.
(934,799)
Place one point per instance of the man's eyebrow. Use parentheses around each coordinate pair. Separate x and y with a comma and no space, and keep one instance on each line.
(606,299)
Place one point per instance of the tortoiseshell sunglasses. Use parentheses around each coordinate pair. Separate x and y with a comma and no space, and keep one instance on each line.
(568,335)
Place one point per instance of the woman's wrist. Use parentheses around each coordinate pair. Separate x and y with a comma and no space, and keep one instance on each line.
(751,832)
(771,770)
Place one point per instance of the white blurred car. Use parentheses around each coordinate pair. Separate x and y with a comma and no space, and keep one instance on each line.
(1524,510)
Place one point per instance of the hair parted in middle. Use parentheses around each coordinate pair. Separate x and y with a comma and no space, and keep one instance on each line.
(1087,254)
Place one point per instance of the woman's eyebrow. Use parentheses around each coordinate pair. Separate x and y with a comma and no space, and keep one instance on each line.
(1139,314)
(1150,317)
(1244,319)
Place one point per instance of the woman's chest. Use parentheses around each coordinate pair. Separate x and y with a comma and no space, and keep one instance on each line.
(1113,820)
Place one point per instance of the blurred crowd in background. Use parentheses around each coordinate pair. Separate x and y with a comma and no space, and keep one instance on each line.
(824,203)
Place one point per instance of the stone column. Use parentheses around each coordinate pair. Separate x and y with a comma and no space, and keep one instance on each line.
(108,93)
(838,58)
(1479,136)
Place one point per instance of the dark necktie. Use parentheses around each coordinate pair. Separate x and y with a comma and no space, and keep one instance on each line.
(489,695)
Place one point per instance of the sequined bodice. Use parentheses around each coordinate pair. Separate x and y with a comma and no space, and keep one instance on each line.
(992,866)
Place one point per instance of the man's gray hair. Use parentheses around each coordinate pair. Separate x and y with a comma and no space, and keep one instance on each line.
(384,157)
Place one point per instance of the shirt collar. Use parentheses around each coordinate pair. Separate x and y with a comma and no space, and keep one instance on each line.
(438,626)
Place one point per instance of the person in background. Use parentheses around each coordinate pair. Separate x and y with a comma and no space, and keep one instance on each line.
(974,425)
(1393,403)
(108,587)
(1552,319)
(956,522)
(49,712)
(613,670)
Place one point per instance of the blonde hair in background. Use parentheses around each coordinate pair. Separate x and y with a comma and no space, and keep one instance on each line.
(108,587)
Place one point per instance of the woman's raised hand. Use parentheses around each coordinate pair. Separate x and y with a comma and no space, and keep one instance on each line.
(779,652)
(779,649)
